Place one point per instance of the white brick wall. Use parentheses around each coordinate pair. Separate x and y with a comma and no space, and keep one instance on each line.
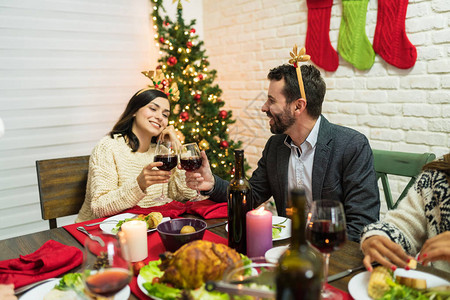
(404,110)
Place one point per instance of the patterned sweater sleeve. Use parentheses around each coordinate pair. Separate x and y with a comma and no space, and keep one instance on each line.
(107,197)
(406,225)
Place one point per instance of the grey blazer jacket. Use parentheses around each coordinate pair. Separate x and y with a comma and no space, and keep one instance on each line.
(342,170)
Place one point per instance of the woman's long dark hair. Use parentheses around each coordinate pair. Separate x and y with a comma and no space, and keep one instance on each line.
(125,123)
(440,165)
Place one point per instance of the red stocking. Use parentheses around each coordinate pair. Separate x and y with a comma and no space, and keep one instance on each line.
(318,43)
(390,40)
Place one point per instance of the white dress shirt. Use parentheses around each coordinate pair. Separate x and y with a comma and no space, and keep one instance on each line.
(301,162)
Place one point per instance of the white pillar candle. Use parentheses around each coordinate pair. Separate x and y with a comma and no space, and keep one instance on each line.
(136,238)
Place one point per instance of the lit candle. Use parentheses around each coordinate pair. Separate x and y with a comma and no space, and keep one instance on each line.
(259,232)
(135,232)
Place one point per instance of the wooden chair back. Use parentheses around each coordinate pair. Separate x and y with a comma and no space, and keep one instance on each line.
(401,164)
(62,186)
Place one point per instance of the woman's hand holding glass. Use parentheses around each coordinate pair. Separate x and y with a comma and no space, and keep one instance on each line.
(166,155)
(151,175)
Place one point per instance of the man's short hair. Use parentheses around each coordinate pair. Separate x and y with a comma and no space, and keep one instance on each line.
(313,82)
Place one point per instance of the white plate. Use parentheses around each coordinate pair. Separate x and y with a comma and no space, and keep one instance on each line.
(358,284)
(109,226)
(140,282)
(285,231)
(40,291)
(272,255)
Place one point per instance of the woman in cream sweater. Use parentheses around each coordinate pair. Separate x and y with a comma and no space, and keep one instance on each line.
(122,173)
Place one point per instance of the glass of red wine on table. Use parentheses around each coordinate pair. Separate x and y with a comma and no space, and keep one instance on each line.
(106,270)
(167,153)
(326,231)
(191,160)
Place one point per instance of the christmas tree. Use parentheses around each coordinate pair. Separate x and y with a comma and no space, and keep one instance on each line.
(197,116)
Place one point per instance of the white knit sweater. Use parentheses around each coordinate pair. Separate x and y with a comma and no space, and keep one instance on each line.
(112,184)
(422,214)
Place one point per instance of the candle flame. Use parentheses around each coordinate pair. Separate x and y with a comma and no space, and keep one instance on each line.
(260,210)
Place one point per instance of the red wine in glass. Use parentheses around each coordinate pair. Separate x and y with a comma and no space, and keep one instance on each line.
(191,163)
(108,282)
(169,161)
(325,236)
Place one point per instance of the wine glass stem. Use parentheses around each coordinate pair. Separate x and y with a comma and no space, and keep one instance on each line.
(326,260)
(162,191)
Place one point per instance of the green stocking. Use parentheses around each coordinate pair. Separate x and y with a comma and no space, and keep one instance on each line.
(353,44)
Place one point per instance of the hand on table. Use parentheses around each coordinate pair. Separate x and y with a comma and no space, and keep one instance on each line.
(386,252)
(150,175)
(436,248)
(202,179)
(7,292)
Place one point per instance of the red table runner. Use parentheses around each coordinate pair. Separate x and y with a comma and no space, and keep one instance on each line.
(206,209)
(155,247)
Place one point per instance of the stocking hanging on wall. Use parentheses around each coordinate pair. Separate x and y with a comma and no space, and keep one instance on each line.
(318,43)
(353,44)
(390,40)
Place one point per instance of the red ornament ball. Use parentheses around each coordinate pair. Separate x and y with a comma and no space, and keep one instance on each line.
(162,40)
(192,30)
(200,76)
(197,97)
(184,116)
(166,23)
(172,61)
(224,144)
(164,82)
(189,44)
(223,114)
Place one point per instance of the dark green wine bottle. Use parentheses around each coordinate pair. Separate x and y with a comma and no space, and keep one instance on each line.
(239,203)
(300,268)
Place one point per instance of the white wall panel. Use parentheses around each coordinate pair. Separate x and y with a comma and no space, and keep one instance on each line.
(67,70)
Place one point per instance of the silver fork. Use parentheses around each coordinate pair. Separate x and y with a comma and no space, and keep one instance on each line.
(102,222)
(91,236)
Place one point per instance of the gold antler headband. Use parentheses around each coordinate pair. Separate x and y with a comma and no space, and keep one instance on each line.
(161,83)
(296,58)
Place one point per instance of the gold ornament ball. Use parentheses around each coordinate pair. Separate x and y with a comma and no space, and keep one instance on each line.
(204,145)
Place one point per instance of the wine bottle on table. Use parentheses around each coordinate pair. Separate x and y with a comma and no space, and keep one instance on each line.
(299,272)
(239,203)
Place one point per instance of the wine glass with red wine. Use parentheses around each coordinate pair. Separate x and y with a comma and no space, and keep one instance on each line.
(167,153)
(326,231)
(106,271)
(191,160)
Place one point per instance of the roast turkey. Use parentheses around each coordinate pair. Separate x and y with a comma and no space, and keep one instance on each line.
(197,262)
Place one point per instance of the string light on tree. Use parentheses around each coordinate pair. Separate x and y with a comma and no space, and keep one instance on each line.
(199,115)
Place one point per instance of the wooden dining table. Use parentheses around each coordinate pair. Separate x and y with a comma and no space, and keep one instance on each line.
(349,256)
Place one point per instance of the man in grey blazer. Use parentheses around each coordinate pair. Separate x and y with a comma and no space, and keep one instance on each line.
(327,160)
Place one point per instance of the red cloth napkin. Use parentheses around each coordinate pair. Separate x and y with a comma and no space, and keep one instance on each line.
(50,260)
(172,209)
(208,209)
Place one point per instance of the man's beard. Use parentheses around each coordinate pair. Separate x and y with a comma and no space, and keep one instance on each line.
(281,122)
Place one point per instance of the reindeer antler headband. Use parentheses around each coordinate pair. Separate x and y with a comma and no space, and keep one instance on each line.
(161,83)
(296,58)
